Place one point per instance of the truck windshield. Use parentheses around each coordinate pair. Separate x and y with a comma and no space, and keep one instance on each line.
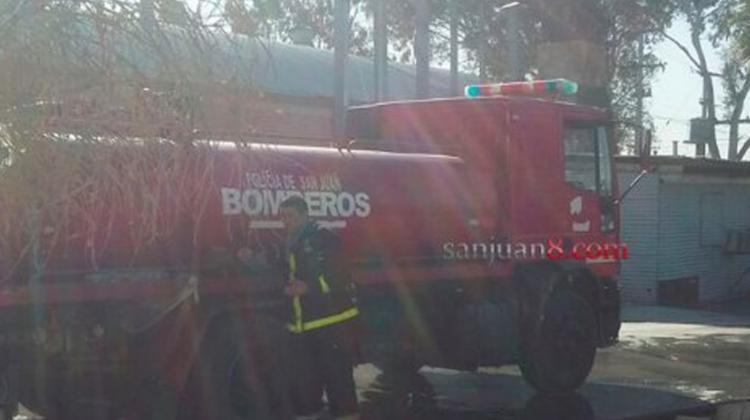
(587,160)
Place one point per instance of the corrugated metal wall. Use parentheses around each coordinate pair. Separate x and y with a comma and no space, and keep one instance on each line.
(695,218)
(681,253)
(737,216)
(639,230)
(677,229)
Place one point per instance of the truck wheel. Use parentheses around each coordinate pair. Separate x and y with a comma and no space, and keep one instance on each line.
(405,364)
(237,378)
(558,355)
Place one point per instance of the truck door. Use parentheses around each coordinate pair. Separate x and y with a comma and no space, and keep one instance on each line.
(589,188)
(537,196)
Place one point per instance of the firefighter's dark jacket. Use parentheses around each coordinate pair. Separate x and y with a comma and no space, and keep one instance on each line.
(315,257)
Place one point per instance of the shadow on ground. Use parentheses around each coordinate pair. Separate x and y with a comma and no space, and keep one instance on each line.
(442,394)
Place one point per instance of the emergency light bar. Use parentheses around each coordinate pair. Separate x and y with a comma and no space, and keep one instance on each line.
(535,87)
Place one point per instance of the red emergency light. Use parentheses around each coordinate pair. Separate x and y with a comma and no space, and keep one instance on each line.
(536,87)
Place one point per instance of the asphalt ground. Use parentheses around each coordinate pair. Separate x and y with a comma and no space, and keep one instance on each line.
(669,364)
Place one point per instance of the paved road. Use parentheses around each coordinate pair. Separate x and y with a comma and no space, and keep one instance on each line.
(667,360)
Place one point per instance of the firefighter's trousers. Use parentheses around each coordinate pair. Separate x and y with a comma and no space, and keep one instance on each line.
(322,360)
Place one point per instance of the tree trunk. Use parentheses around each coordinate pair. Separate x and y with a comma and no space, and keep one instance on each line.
(147,15)
(340,58)
(734,121)
(744,149)
(381,51)
(709,101)
(454,46)
(422,47)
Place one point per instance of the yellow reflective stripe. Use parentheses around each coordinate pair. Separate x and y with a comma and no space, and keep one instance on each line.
(324,284)
(292,267)
(333,319)
(324,322)
(297,312)
(296,304)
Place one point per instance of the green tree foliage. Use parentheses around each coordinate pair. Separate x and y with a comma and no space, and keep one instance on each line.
(742,19)
(293,20)
(629,24)
(483,33)
(697,13)
(725,23)
(731,21)
(736,81)
(731,33)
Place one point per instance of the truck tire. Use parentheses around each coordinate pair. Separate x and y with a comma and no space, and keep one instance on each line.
(400,360)
(558,354)
(405,364)
(236,377)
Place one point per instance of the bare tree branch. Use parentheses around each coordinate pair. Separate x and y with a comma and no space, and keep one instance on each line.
(744,149)
(744,90)
(684,49)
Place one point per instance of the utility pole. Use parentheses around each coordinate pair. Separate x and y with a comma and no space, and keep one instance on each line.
(340,57)
(453,6)
(482,48)
(482,61)
(639,94)
(147,17)
(513,16)
(700,145)
(422,47)
(381,51)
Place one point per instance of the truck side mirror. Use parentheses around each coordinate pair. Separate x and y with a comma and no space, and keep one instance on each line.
(644,156)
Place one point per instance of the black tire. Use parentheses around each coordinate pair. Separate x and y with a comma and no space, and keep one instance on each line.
(558,355)
(401,359)
(401,366)
(238,375)
(405,364)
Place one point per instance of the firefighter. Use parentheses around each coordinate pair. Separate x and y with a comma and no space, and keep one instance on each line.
(322,315)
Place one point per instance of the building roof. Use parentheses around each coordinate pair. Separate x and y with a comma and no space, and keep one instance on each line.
(693,166)
(271,67)
(303,71)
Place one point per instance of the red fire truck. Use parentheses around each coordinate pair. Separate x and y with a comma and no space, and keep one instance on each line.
(479,232)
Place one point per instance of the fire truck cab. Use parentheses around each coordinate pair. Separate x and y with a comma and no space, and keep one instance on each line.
(540,177)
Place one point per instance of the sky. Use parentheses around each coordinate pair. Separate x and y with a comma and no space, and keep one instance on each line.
(676,94)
